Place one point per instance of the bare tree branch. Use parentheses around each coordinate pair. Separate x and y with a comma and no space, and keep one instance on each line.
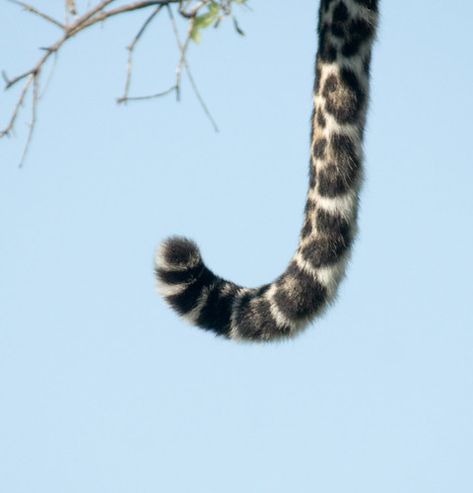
(104,15)
(190,10)
(91,17)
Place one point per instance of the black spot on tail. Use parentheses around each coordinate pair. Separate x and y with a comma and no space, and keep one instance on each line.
(216,312)
(360,31)
(179,276)
(304,296)
(187,300)
(344,97)
(333,225)
(369,4)
(341,174)
(319,148)
(326,250)
(340,16)
(255,321)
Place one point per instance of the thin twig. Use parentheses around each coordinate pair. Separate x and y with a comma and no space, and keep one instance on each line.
(183,63)
(182,47)
(49,76)
(32,124)
(33,10)
(16,109)
(90,13)
(200,98)
(131,48)
(150,96)
(33,71)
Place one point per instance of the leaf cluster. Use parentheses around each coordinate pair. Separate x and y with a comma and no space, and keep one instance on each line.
(215,12)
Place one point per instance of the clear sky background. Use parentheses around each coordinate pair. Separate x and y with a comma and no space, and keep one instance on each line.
(104,390)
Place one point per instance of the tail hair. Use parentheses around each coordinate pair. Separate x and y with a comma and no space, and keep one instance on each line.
(273,311)
(282,308)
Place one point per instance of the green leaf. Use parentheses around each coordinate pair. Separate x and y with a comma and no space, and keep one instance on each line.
(214,9)
(195,34)
(205,20)
(214,14)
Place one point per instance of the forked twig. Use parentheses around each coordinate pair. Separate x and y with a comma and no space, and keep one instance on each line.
(181,65)
(131,48)
(32,124)
(11,123)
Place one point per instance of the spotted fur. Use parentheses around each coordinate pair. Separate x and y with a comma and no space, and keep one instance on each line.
(281,309)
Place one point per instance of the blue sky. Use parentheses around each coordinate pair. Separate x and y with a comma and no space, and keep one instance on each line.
(104,389)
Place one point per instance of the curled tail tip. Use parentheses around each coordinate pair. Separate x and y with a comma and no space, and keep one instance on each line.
(177,253)
(177,263)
